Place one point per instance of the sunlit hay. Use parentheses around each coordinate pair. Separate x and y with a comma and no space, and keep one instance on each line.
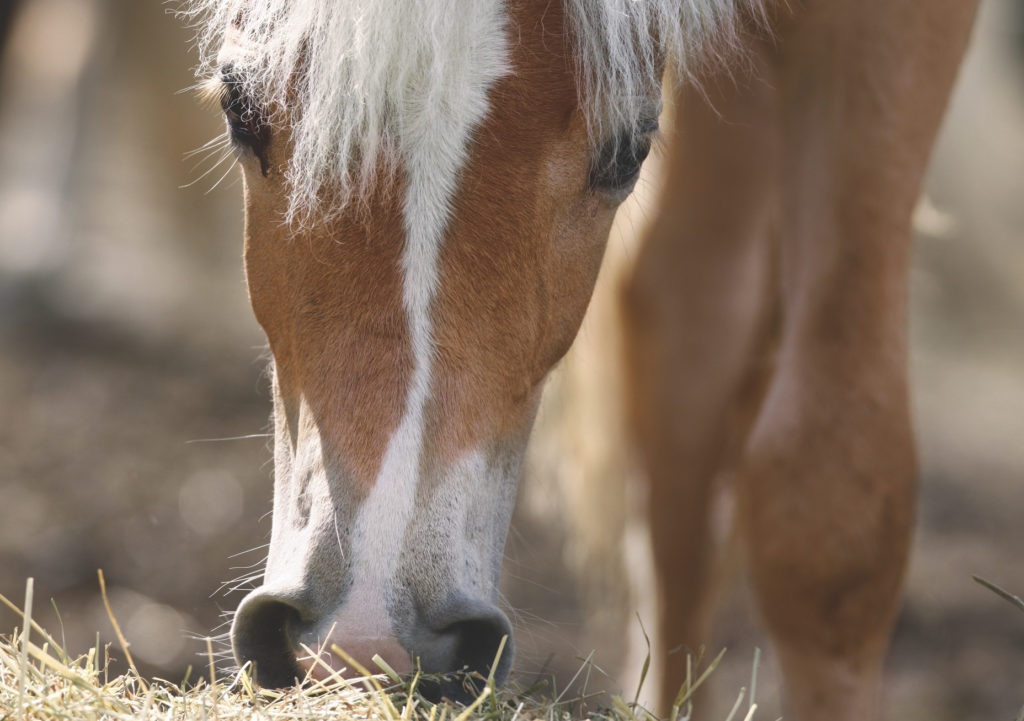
(41,681)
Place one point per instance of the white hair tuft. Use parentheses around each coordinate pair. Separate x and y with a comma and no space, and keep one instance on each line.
(347,72)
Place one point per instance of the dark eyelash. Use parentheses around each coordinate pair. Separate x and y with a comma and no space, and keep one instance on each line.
(247,124)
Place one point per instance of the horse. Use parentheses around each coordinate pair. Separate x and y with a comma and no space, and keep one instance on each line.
(428,190)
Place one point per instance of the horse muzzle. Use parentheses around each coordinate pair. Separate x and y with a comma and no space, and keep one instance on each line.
(285,642)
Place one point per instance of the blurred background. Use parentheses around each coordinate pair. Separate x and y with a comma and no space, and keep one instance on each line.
(134,407)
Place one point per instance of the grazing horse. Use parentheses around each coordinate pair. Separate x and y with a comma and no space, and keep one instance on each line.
(429,186)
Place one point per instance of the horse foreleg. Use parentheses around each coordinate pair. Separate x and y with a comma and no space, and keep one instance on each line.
(827,481)
(693,308)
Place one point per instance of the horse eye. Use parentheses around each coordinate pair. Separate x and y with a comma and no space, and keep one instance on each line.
(247,124)
(618,165)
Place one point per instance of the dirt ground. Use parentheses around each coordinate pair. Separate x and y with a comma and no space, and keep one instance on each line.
(134,409)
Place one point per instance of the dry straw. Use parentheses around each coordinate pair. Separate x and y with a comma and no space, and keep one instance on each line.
(41,681)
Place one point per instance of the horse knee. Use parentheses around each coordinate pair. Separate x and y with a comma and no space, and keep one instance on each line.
(826,508)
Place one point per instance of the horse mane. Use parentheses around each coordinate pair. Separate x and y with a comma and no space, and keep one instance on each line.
(345,70)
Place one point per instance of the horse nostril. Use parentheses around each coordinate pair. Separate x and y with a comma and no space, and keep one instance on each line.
(477,644)
(463,649)
(263,634)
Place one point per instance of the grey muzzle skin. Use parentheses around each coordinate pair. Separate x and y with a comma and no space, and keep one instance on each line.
(454,648)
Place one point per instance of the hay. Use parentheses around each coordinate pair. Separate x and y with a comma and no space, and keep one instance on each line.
(41,681)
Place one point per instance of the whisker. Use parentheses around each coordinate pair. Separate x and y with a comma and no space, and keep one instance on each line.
(233,182)
(228,616)
(229,438)
(210,153)
(250,550)
(202,86)
(215,638)
(211,143)
(242,583)
(221,179)
(240,580)
(249,566)
(224,157)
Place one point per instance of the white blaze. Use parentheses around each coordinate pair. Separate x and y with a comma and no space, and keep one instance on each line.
(434,133)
